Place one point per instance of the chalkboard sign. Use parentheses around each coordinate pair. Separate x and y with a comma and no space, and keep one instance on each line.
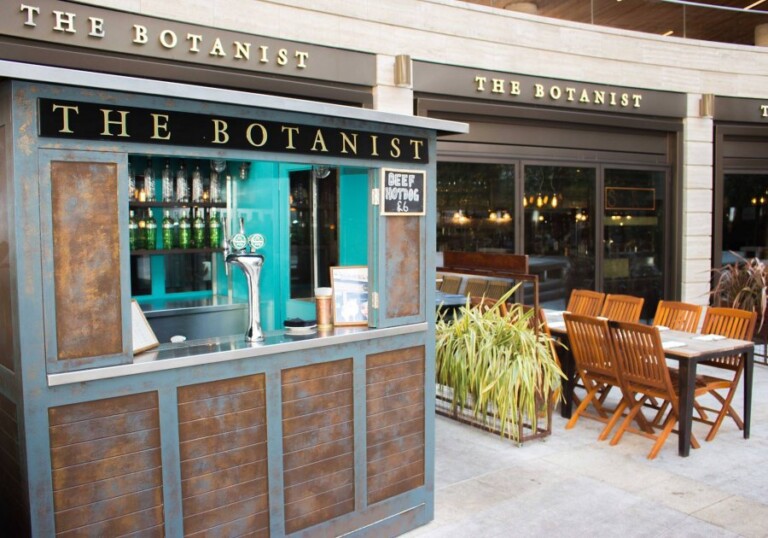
(403,192)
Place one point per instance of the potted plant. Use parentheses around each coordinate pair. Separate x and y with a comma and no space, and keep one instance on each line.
(743,284)
(495,365)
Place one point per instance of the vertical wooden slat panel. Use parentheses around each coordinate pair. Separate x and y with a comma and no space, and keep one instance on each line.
(395,422)
(318,443)
(87,261)
(223,450)
(14,510)
(403,266)
(6,327)
(107,482)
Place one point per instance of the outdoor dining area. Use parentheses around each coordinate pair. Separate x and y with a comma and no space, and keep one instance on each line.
(647,378)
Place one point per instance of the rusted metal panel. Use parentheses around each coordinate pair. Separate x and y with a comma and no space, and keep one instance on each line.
(403,274)
(395,422)
(87,260)
(320,436)
(6,326)
(223,456)
(318,470)
(113,485)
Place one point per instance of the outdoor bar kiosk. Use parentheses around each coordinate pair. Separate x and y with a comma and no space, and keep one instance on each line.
(132,211)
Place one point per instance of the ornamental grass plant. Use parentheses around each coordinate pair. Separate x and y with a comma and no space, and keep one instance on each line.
(743,284)
(497,364)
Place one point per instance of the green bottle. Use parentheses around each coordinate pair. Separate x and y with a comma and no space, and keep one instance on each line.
(141,235)
(214,230)
(168,231)
(185,231)
(198,231)
(133,228)
(150,231)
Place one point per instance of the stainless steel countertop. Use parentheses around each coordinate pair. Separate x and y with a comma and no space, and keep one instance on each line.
(229,348)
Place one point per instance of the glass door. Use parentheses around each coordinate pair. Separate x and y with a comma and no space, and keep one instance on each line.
(559,227)
(745,216)
(633,234)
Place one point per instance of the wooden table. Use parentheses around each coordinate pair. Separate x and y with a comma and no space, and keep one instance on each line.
(694,350)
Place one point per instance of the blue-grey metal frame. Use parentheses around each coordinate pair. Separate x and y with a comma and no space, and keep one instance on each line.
(35,387)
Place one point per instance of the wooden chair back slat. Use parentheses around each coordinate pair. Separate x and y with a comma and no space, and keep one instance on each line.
(622,307)
(731,323)
(640,356)
(590,344)
(451,284)
(678,316)
(497,288)
(585,302)
(476,287)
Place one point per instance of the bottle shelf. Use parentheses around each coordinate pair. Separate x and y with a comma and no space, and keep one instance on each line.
(172,251)
(172,205)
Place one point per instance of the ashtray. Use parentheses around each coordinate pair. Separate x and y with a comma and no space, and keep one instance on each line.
(300,326)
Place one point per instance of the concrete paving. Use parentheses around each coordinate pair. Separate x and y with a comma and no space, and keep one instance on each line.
(571,484)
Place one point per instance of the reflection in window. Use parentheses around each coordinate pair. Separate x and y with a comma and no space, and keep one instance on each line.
(475,207)
(560,229)
(633,235)
(745,216)
(313,236)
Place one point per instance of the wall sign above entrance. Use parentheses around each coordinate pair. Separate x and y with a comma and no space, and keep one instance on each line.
(91,121)
(524,89)
(104,30)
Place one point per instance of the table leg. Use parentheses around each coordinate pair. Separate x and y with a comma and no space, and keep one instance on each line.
(687,382)
(749,358)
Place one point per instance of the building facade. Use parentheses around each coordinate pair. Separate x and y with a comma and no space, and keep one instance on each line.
(393,131)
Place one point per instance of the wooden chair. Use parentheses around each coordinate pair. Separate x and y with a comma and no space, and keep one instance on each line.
(497,288)
(585,302)
(451,284)
(476,287)
(590,346)
(644,374)
(622,307)
(731,323)
(678,316)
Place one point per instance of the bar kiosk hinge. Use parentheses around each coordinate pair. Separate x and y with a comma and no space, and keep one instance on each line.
(375,194)
(375,300)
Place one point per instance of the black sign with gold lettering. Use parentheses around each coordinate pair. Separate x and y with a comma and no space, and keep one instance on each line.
(90,121)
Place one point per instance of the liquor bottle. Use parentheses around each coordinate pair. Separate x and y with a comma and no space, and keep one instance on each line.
(131,183)
(168,231)
(167,182)
(150,231)
(141,234)
(182,184)
(184,230)
(149,182)
(214,230)
(133,228)
(214,189)
(198,231)
(197,185)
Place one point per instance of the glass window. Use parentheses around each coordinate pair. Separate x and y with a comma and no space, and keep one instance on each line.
(633,235)
(475,207)
(745,216)
(559,209)
(313,230)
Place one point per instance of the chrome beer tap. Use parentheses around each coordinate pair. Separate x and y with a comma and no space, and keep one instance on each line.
(251,263)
